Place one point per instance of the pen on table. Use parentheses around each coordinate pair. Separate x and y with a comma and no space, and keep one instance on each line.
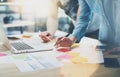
(61,39)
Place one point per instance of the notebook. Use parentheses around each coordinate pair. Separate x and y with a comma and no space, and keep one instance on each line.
(27,45)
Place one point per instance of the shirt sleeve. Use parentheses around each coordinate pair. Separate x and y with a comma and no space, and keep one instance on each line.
(82,21)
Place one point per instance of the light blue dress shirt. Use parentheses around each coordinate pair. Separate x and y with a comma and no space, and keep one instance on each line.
(71,7)
(108,12)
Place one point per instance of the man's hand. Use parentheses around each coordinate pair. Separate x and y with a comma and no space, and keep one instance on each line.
(46,36)
(115,50)
(63,42)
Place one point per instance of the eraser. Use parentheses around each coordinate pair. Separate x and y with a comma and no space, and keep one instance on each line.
(63,49)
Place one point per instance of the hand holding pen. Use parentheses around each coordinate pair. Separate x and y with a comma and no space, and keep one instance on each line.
(63,42)
(46,36)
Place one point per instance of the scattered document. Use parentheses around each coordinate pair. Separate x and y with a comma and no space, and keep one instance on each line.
(84,55)
(5,59)
(91,54)
(35,61)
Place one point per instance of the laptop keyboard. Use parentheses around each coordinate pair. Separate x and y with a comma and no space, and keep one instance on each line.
(21,46)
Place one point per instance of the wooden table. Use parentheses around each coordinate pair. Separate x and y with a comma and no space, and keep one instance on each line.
(68,70)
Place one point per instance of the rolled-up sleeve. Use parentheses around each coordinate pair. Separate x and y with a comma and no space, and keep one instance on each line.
(83,19)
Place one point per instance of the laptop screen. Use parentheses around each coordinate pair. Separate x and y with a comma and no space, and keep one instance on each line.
(3,38)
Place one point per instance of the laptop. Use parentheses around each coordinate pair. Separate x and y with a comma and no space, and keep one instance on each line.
(27,45)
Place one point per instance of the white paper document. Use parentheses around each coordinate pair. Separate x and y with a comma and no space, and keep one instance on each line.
(5,59)
(91,54)
(35,61)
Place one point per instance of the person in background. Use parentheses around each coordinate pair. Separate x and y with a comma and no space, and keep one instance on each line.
(71,9)
(109,33)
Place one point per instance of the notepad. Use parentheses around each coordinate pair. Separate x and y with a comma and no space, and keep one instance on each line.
(2,54)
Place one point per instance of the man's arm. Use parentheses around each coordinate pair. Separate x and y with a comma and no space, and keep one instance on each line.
(52,21)
(82,21)
(80,27)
